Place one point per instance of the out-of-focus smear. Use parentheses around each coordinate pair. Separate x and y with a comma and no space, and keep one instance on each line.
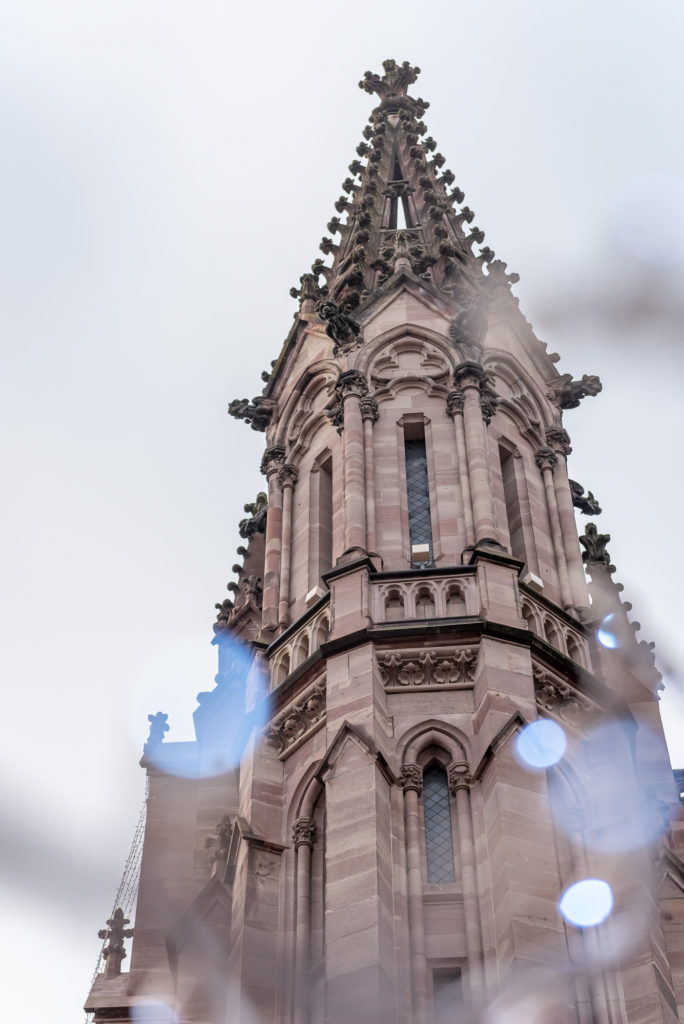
(605,798)
(153,1013)
(587,903)
(648,218)
(223,726)
(606,634)
(540,744)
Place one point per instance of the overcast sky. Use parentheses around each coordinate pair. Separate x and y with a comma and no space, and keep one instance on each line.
(168,170)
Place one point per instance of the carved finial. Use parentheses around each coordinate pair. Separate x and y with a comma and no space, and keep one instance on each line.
(158,727)
(115,932)
(393,84)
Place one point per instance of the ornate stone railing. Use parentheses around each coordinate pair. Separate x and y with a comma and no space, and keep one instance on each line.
(422,597)
(555,630)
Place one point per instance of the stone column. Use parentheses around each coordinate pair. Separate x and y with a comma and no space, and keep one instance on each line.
(351,387)
(455,402)
(271,463)
(459,785)
(412,782)
(303,837)
(369,415)
(559,441)
(287,478)
(477,410)
(547,461)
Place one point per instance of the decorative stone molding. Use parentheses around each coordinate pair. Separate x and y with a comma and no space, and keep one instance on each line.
(272,459)
(459,776)
(558,439)
(287,475)
(586,504)
(559,698)
(369,409)
(303,833)
(411,778)
(568,393)
(436,668)
(298,720)
(455,401)
(546,459)
(351,382)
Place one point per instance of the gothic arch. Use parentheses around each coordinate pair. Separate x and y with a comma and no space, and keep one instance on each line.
(506,367)
(433,733)
(367,355)
(319,375)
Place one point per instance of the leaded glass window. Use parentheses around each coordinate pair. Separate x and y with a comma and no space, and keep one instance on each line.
(418,494)
(439,844)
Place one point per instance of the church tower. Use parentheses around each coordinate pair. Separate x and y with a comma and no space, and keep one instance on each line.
(368,828)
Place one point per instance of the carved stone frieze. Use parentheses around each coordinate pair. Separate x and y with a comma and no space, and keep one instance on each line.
(559,698)
(428,668)
(412,778)
(303,832)
(568,393)
(298,718)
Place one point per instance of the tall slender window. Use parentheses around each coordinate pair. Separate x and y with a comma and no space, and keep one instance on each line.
(439,844)
(512,499)
(418,495)
(325,516)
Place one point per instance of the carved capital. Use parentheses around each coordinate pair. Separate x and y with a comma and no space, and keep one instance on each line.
(546,459)
(469,375)
(272,459)
(412,778)
(558,440)
(287,475)
(369,409)
(455,402)
(303,832)
(459,776)
(351,382)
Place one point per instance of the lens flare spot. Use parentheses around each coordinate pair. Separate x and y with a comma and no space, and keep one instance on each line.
(153,1013)
(587,903)
(606,633)
(541,744)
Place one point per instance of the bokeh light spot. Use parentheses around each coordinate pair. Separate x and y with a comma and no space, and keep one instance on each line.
(153,1013)
(540,744)
(606,634)
(587,903)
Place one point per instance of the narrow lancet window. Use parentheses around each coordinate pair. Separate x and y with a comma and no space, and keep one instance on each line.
(512,500)
(325,516)
(418,497)
(439,844)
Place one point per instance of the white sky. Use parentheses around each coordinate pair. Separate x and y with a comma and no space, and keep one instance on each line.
(168,170)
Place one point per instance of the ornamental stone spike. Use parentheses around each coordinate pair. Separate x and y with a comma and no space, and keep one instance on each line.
(115,932)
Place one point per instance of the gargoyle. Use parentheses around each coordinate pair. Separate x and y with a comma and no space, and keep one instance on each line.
(588,505)
(257,413)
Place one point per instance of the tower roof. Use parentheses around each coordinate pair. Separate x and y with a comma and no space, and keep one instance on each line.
(399,209)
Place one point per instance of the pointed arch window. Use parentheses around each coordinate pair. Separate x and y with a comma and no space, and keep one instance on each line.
(439,843)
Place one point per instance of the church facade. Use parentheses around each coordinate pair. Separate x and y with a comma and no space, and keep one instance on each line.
(355,836)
